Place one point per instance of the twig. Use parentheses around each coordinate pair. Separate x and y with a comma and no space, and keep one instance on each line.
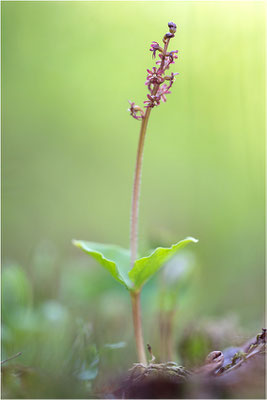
(11,358)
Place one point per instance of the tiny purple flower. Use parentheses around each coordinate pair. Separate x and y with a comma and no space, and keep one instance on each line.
(134,109)
(152,101)
(163,90)
(173,55)
(154,47)
(169,59)
(171,78)
(154,77)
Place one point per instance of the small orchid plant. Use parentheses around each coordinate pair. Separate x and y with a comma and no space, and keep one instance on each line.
(126,266)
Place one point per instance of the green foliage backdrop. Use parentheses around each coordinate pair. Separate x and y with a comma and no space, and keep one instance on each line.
(69,148)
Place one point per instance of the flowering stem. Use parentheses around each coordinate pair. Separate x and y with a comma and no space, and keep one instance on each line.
(136,187)
(136,307)
(138,170)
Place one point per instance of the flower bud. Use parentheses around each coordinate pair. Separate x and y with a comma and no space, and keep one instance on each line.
(168,35)
(172,26)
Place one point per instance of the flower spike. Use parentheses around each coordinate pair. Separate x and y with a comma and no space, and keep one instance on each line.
(156,78)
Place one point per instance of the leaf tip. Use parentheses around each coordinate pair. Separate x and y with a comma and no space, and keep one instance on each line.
(192,239)
(76,243)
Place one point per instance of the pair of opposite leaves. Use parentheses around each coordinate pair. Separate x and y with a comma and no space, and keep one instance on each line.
(117,261)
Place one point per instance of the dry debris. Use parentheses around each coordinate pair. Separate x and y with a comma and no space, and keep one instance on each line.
(241,377)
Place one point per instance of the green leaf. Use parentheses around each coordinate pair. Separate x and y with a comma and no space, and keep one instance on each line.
(117,261)
(114,258)
(144,268)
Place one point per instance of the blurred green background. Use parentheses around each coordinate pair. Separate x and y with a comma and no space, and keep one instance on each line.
(69,148)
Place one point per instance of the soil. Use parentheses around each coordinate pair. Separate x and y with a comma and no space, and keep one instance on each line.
(233,373)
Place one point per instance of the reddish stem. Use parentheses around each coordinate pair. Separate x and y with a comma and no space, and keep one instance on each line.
(136,307)
(138,170)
